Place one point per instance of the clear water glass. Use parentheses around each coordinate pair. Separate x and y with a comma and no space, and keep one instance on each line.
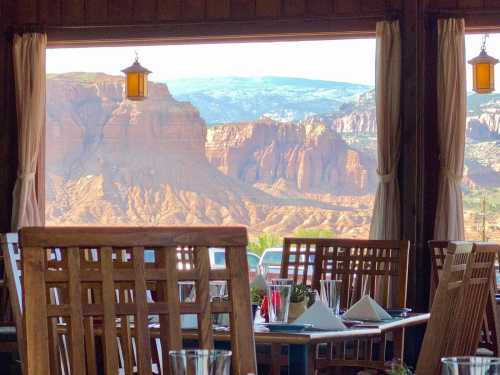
(471,366)
(278,297)
(330,291)
(200,362)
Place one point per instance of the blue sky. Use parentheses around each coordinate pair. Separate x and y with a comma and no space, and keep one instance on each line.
(351,60)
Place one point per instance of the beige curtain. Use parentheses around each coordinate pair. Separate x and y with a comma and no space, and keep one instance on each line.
(386,211)
(29,75)
(452,107)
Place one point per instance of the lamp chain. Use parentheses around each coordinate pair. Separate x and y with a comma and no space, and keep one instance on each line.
(483,46)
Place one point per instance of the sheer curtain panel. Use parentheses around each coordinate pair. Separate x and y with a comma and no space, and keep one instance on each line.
(29,75)
(452,109)
(386,211)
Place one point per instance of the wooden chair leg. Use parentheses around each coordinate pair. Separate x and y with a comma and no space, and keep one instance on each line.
(399,344)
(276,363)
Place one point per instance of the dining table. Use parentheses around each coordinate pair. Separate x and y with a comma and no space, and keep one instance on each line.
(302,345)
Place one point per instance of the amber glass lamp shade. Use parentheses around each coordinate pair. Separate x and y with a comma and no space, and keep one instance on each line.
(483,73)
(136,81)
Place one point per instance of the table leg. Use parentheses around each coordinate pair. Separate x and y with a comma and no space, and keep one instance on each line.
(301,360)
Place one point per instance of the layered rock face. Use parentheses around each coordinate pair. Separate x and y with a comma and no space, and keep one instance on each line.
(486,126)
(357,118)
(307,157)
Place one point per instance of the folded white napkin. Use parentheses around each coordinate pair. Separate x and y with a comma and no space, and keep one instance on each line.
(366,309)
(259,283)
(321,317)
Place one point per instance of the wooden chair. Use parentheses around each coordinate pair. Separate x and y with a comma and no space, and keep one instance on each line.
(490,339)
(378,268)
(12,260)
(459,305)
(101,275)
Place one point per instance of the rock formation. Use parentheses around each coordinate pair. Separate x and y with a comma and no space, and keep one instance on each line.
(111,161)
(308,157)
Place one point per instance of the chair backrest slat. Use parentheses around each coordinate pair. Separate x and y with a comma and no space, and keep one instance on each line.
(142,338)
(123,284)
(241,343)
(438,251)
(108,294)
(76,335)
(203,297)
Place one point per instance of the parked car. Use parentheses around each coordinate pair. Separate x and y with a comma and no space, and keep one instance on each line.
(253,261)
(271,257)
(218,259)
(271,262)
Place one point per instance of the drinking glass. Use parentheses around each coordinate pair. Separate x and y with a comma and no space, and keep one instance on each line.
(471,366)
(200,362)
(278,297)
(282,282)
(263,270)
(217,290)
(330,294)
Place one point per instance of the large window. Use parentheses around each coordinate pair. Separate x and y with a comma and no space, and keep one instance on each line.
(481,184)
(280,137)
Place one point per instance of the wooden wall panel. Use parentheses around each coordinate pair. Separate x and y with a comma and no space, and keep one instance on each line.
(492,4)
(26,11)
(347,7)
(242,9)
(145,10)
(320,7)
(445,4)
(120,11)
(193,9)
(395,4)
(268,8)
(218,9)
(294,8)
(169,10)
(469,4)
(73,12)
(96,12)
(372,5)
(49,12)
(8,133)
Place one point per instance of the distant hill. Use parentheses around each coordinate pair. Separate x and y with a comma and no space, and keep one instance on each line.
(285,99)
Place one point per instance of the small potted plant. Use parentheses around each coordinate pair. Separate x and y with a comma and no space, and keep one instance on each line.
(257,298)
(397,367)
(299,300)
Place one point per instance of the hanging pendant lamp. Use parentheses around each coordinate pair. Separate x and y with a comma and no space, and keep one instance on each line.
(136,81)
(483,71)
